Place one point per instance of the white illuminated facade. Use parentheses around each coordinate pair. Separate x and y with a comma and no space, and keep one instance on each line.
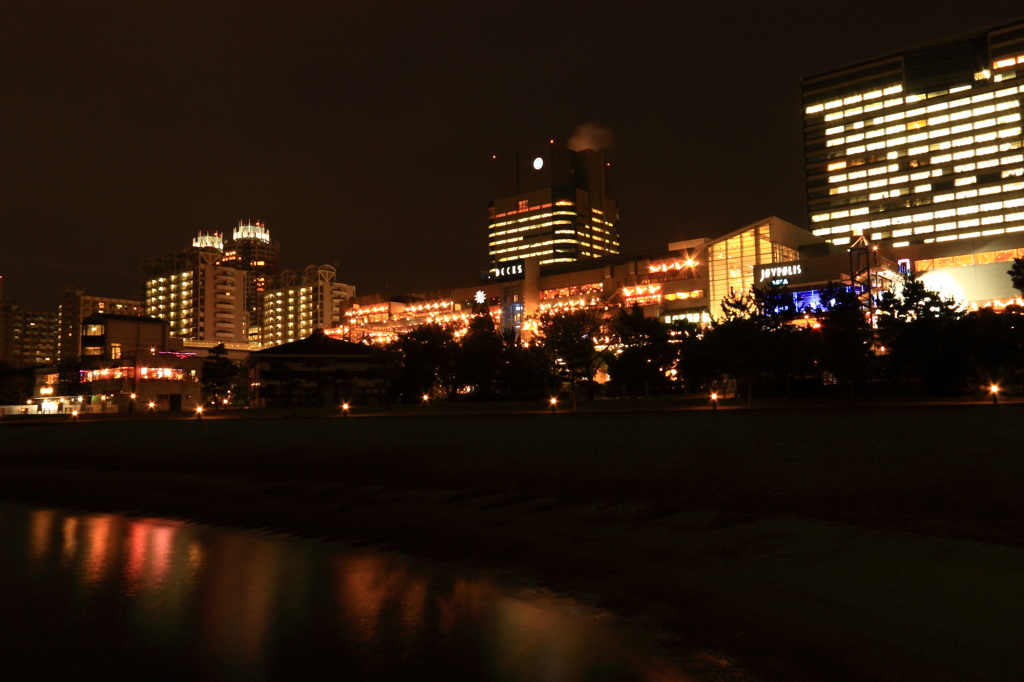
(301,302)
(202,299)
(919,148)
(552,204)
(213,292)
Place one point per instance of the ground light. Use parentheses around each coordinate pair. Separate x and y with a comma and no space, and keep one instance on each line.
(199,412)
(426,398)
(554,404)
(152,405)
(344,409)
(994,391)
(714,401)
(74,415)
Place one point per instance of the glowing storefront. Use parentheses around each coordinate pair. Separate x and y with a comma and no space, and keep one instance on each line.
(731,259)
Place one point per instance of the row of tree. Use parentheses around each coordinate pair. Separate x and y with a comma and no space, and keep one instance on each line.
(916,340)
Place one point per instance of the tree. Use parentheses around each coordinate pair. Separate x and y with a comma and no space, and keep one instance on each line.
(1016,273)
(524,368)
(479,357)
(568,341)
(16,384)
(428,361)
(644,354)
(774,304)
(739,345)
(996,346)
(846,336)
(694,364)
(739,306)
(217,376)
(924,338)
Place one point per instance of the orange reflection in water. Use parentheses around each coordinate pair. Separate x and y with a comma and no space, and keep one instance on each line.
(150,545)
(242,574)
(98,553)
(41,525)
(70,540)
(235,594)
(524,637)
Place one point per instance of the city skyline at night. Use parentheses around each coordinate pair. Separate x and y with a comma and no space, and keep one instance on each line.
(365,135)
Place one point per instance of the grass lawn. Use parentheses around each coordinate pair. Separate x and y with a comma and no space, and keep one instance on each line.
(802,544)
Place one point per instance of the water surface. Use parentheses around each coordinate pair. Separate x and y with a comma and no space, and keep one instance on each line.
(112,597)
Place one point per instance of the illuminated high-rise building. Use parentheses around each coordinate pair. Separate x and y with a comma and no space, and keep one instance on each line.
(300,302)
(202,299)
(923,147)
(250,249)
(213,292)
(553,204)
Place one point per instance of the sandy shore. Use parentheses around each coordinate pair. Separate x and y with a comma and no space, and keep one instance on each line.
(776,545)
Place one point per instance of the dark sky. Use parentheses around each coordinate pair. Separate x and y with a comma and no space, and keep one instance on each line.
(361,132)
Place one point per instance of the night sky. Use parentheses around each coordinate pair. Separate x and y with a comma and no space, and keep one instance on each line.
(361,133)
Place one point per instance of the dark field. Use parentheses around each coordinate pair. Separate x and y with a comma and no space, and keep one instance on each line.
(840,544)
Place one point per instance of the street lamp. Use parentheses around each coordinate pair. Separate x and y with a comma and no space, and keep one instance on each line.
(74,415)
(152,406)
(994,390)
(199,413)
(554,404)
(714,401)
(344,409)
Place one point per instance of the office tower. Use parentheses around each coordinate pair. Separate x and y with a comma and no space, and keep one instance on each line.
(74,306)
(302,301)
(551,203)
(202,299)
(922,147)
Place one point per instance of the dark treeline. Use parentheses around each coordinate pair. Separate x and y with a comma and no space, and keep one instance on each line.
(914,343)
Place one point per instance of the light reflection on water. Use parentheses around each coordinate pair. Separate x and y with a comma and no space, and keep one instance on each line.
(122,597)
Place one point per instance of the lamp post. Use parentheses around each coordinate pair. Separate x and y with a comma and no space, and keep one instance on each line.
(554,404)
(344,409)
(994,391)
(131,403)
(714,401)
(199,413)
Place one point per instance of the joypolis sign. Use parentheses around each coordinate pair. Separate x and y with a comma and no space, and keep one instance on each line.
(779,274)
(509,270)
